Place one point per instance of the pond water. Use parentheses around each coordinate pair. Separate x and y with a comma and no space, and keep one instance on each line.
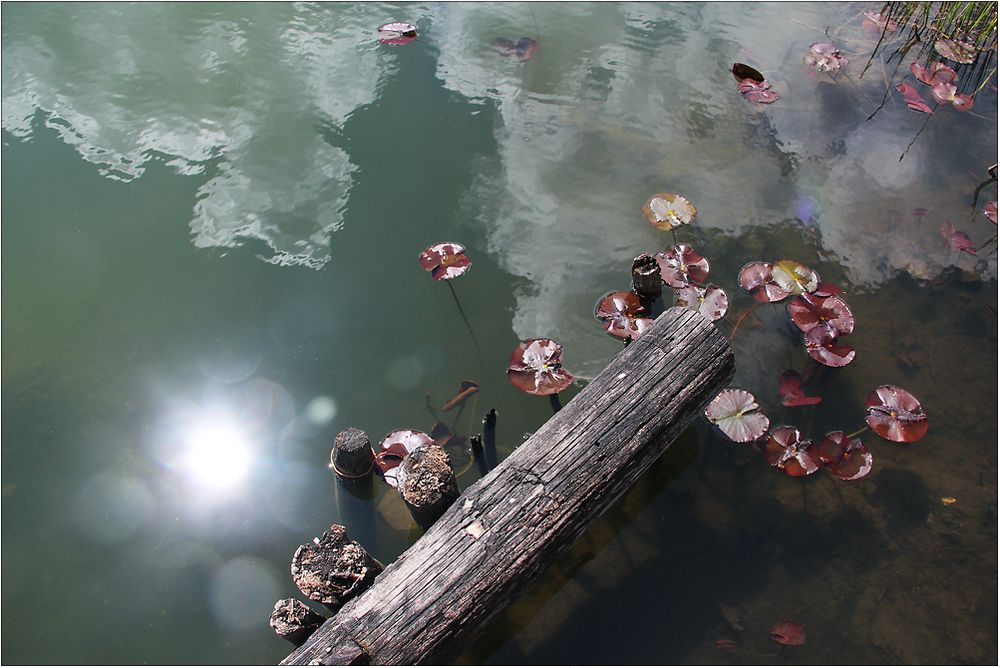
(211,220)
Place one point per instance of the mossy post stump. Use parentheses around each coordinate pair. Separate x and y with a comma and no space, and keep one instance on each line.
(352,455)
(427,484)
(646,281)
(333,569)
(503,531)
(292,620)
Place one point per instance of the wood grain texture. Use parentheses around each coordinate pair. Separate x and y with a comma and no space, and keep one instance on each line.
(504,530)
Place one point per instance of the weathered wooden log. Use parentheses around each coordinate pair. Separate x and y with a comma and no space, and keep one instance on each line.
(505,529)
(292,620)
(427,484)
(352,455)
(333,569)
(646,281)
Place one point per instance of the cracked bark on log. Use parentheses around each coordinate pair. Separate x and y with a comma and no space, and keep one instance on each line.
(507,528)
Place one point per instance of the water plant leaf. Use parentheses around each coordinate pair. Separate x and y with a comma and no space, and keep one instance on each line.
(742,72)
(756,278)
(394,448)
(445,261)
(960,52)
(990,211)
(536,368)
(848,459)
(526,49)
(821,345)
(946,93)
(826,290)
(788,452)
(788,633)
(682,265)
(736,413)
(895,414)
(808,311)
(794,277)
(397,33)
(668,211)
(790,390)
(623,314)
(913,99)
(711,301)
(959,240)
(876,20)
(465,390)
(824,57)
(758,91)
(935,73)
(504,46)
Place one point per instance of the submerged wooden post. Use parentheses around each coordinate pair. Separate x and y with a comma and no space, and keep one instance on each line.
(503,531)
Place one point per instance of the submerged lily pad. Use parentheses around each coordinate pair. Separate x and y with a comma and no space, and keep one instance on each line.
(397,33)
(790,390)
(788,633)
(934,73)
(711,301)
(668,211)
(736,413)
(623,314)
(465,390)
(846,459)
(824,57)
(821,345)
(881,22)
(788,452)
(913,99)
(445,261)
(895,414)
(959,240)
(394,448)
(757,279)
(990,211)
(758,91)
(526,49)
(960,52)
(536,368)
(808,311)
(794,277)
(682,265)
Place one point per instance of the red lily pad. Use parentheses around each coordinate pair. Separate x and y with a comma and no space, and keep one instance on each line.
(959,241)
(394,448)
(794,277)
(808,311)
(913,99)
(756,278)
(821,345)
(667,211)
(445,261)
(960,52)
(846,459)
(741,72)
(990,211)
(711,301)
(758,91)
(788,452)
(465,390)
(737,414)
(895,414)
(790,390)
(623,315)
(397,33)
(881,22)
(824,57)
(788,633)
(526,49)
(536,368)
(682,265)
(934,73)
(826,290)
(946,93)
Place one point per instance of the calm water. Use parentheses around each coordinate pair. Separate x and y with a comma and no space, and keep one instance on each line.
(211,220)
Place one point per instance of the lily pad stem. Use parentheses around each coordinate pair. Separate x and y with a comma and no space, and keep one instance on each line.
(857,433)
(461,312)
(556,404)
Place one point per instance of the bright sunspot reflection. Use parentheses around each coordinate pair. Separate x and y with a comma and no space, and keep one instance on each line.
(216,454)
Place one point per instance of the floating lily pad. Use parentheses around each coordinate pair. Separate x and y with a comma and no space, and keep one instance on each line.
(824,57)
(623,315)
(788,633)
(946,93)
(445,261)
(758,91)
(826,290)
(794,277)
(667,211)
(397,33)
(756,278)
(682,265)
(821,345)
(536,368)
(959,241)
(736,413)
(394,448)
(790,390)
(846,459)
(960,52)
(787,451)
(711,301)
(990,211)
(895,414)
(881,22)
(913,99)
(934,73)
(808,311)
